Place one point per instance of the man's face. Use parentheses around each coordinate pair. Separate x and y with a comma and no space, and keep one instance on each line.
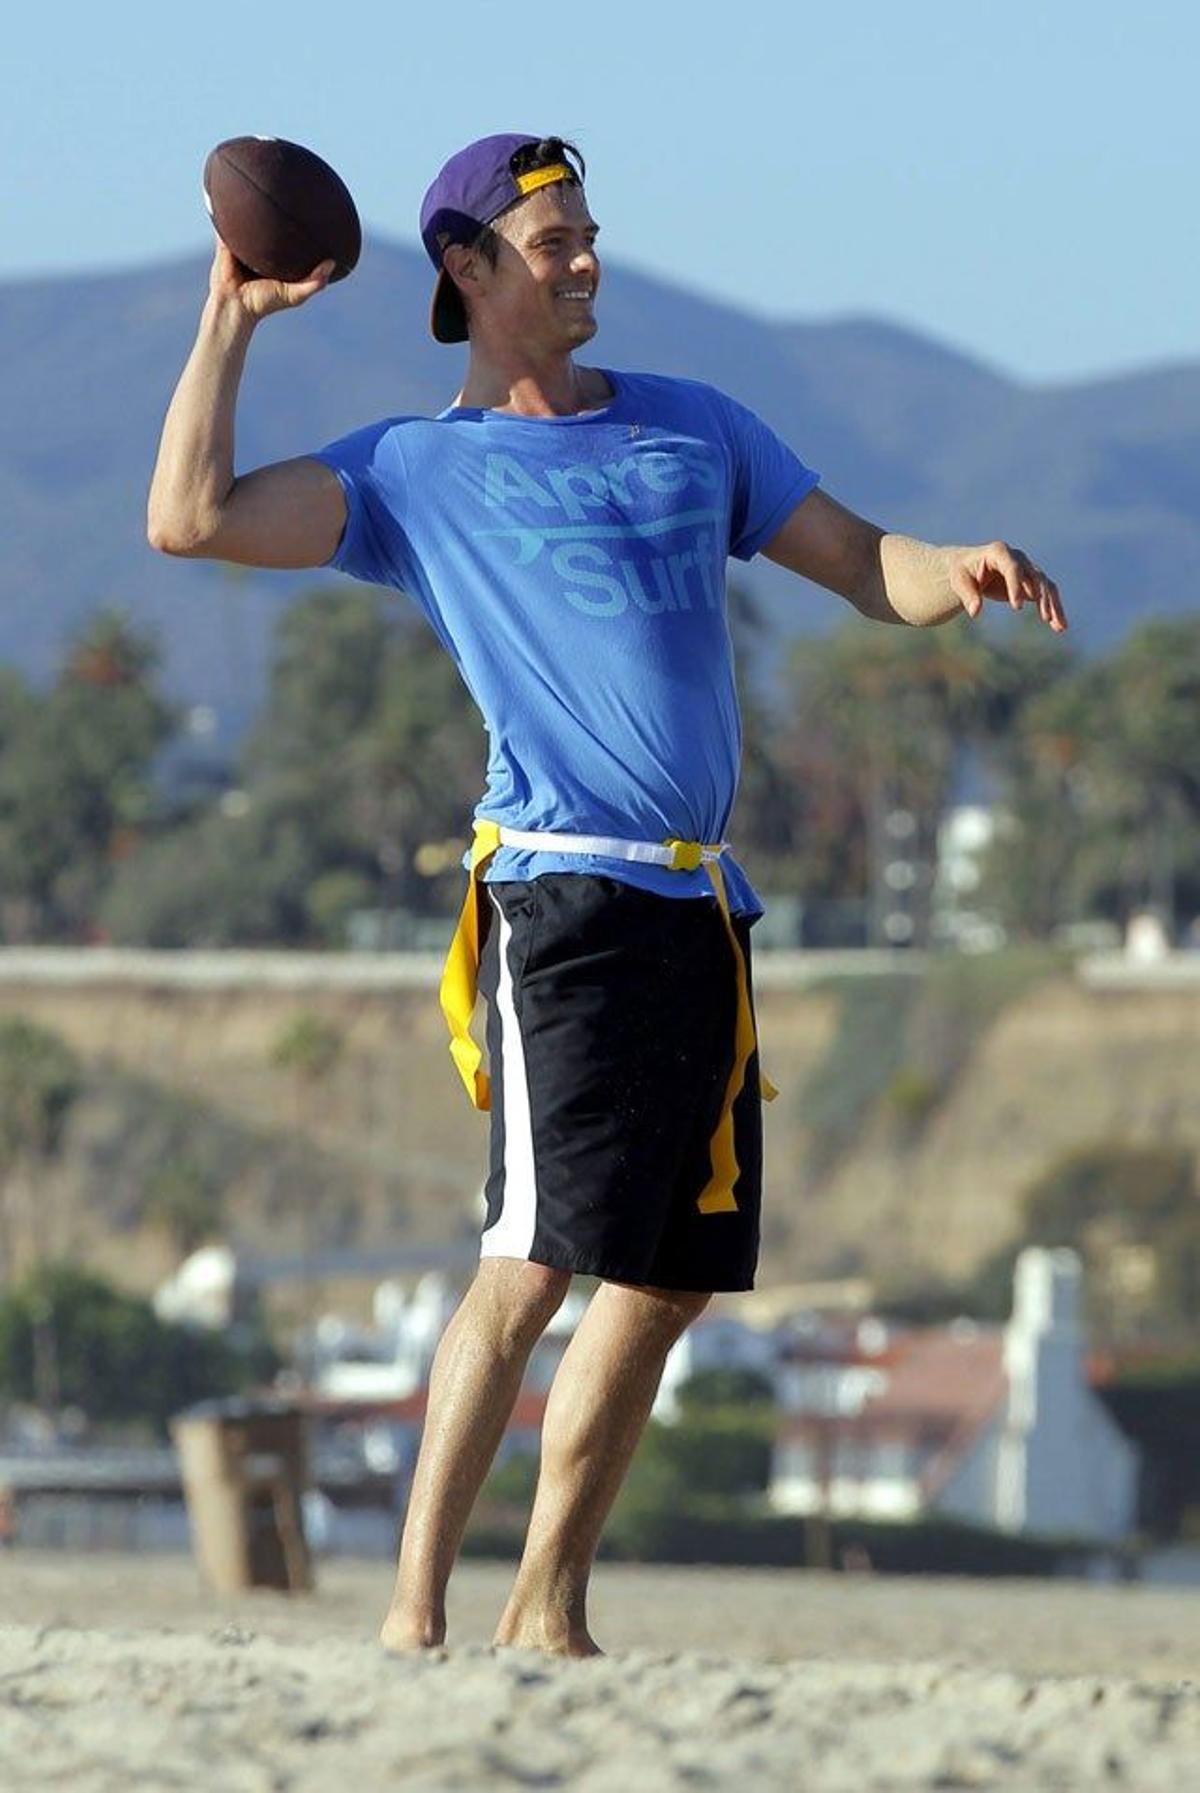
(542,289)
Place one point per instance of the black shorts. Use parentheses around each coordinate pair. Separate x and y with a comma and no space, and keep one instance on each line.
(611,1028)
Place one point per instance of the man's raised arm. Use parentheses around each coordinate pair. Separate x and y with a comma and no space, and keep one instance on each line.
(290,514)
(896,579)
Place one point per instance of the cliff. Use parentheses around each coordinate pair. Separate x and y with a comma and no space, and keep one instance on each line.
(917,1102)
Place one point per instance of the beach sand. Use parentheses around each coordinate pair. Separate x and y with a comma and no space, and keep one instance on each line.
(120,1672)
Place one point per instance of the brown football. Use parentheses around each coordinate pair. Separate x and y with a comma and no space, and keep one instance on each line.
(280,208)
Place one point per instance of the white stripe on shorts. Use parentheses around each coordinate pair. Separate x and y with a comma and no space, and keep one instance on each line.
(512,1234)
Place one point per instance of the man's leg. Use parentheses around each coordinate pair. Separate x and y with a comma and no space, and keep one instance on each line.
(599,1403)
(473,1387)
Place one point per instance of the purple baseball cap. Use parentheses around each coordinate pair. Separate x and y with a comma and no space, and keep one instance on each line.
(472,190)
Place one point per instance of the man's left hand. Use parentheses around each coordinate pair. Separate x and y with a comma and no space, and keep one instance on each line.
(1006,574)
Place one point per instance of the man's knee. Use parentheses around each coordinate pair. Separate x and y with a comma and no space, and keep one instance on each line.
(669,1311)
(686,1304)
(526,1295)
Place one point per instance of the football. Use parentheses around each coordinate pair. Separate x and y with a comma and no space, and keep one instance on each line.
(280,208)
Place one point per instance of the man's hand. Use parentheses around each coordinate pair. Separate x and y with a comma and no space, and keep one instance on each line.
(896,579)
(1007,575)
(229,281)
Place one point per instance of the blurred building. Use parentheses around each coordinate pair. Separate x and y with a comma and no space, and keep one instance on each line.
(206,1290)
(997,1426)
(391,1359)
(965,836)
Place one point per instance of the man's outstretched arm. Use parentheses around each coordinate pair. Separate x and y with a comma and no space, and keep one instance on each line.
(290,514)
(896,579)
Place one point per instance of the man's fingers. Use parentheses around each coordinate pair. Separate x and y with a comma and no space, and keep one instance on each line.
(260,294)
(1054,612)
(1040,590)
(1008,565)
(1007,575)
(296,291)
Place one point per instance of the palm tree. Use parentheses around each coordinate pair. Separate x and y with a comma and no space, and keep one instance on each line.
(39,1082)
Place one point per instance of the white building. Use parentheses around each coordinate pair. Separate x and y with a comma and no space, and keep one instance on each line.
(392,1359)
(204,1291)
(965,837)
(997,1426)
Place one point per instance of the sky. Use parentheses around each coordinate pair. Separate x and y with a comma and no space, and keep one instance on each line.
(1017,180)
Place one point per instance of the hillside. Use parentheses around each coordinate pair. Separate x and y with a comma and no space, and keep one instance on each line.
(1020,1061)
(1101,480)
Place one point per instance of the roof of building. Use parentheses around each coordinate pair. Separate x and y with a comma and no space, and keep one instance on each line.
(945,1372)
(937,1388)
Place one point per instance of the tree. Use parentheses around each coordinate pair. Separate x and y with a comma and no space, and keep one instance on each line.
(76,784)
(224,879)
(714,1463)
(366,765)
(1133,1214)
(739,1390)
(326,673)
(1147,1186)
(307,1048)
(418,773)
(116,1359)
(18,711)
(1103,789)
(39,1082)
(1153,752)
(183,1196)
(299,769)
(768,812)
(372,748)
(879,719)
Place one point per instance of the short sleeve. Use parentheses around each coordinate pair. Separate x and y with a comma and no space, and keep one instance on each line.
(370,467)
(769,480)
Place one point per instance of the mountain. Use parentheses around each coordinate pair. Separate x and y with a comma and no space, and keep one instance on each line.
(1100,480)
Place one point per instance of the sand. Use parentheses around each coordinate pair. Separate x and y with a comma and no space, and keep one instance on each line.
(119,1673)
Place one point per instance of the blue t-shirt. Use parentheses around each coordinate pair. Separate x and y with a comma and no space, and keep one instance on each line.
(575,569)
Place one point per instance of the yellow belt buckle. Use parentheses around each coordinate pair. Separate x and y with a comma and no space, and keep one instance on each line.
(686,855)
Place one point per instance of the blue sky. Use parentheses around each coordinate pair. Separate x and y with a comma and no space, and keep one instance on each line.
(1016,179)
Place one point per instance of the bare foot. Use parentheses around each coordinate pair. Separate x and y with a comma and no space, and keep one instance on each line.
(400,1633)
(547,1634)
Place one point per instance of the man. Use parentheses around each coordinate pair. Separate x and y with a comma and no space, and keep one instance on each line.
(565,530)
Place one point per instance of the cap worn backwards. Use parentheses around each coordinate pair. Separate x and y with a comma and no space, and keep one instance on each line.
(471,191)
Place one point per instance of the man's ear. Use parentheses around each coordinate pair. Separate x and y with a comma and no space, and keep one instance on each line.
(461,263)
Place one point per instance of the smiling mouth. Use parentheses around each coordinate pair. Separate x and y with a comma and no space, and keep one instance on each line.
(578,295)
